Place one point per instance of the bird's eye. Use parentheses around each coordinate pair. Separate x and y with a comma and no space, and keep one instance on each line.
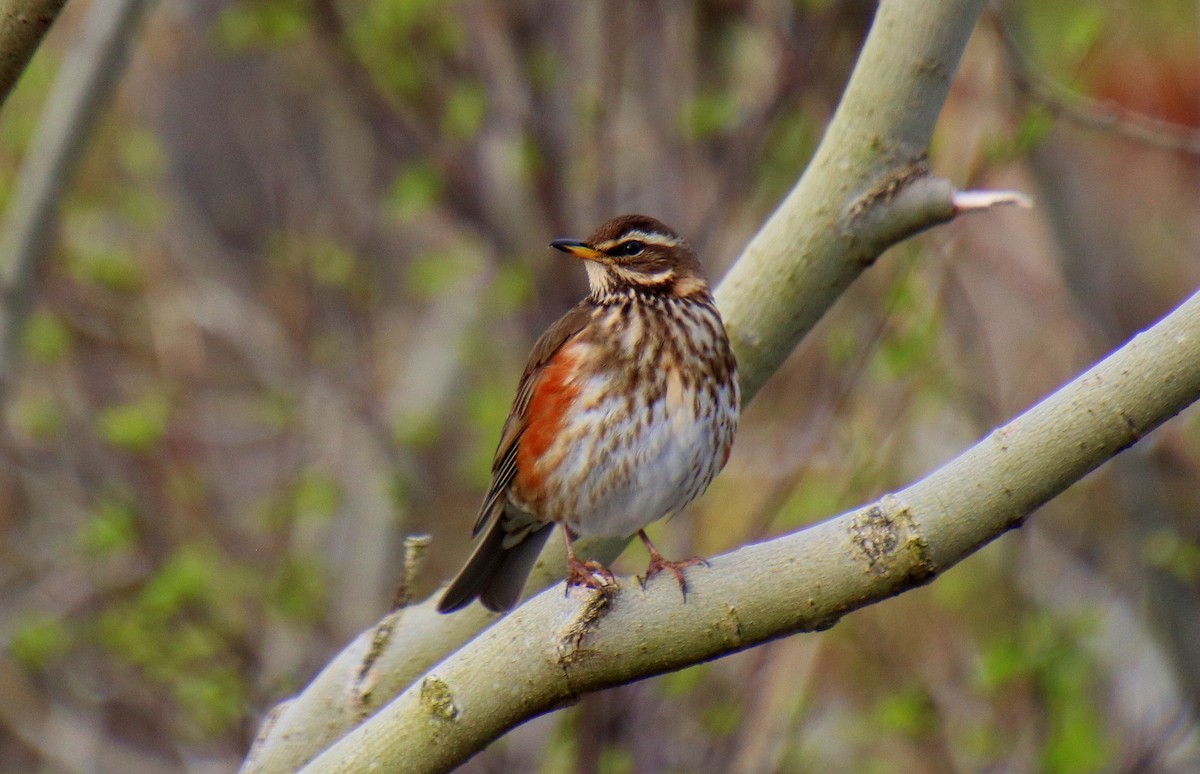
(632,247)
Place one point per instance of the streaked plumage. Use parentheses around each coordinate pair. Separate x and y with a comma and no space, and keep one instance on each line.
(624,414)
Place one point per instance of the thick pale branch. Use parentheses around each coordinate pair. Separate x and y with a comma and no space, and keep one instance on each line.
(554,649)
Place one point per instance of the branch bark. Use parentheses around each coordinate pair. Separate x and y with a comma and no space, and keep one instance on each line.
(867,188)
(23,25)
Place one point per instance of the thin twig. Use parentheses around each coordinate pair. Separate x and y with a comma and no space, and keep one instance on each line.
(1100,115)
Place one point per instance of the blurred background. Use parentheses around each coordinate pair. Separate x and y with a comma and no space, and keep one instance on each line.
(294,279)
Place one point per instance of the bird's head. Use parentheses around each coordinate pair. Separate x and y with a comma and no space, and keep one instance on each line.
(639,253)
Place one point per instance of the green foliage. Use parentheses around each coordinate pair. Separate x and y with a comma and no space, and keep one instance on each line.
(1062,34)
(436,273)
(215,700)
(316,496)
(418,430)
(142,153)
(182,629)
(615,759)
(512,289)
(1168,551)
(722,716)
(789,145)
(299,589)
(465,111)
(38,641)
(134,427)
(109,267)
(401,41)
(908,712)
(140,205)
(1048,654)
(488,404)
(710,114)
(331,264)
(414,193)
(815,498)
(112,527)
(677,684)
(313,496)
(22,109)
(1032,128)
(263,23)
(38,416)
(46,338)
(318,257)
(276,410)
(909,346)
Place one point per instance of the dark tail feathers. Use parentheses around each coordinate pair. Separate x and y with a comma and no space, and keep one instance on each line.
(495,574)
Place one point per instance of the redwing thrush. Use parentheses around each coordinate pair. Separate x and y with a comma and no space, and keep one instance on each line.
(625,413)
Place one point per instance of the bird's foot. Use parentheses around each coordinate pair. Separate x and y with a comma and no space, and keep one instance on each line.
(658,563)
(590,574)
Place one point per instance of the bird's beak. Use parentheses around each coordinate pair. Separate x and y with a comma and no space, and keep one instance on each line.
(578,249)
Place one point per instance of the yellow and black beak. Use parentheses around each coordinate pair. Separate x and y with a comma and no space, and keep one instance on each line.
(578,249)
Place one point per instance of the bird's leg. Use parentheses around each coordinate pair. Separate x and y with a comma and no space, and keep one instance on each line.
(658,563)
(591,573)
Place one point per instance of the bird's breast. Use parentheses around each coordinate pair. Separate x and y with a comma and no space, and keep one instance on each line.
(628,427)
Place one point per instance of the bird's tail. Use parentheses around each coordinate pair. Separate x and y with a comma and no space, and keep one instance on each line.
(495,574)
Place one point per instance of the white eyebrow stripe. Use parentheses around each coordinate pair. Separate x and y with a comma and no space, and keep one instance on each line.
(650,238)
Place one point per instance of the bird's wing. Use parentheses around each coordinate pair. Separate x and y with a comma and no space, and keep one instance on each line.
(504,466)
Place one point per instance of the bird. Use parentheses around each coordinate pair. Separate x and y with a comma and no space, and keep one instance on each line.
(625,413)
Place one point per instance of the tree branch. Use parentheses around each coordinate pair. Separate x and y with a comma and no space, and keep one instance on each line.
(23,25)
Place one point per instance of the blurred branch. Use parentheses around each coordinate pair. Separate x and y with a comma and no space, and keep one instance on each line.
(870,164)
(23,24)
(1101,115)
(867,188)
(802,582)
(83,86)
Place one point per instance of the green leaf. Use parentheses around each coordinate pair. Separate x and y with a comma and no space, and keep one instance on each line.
(39,416)
(512,288)
(267,23)
(112,528)
(142,153)
(135,427)
(435,274)
(722,717)
(187,578)
(46,337)
(332,264)
(113,269)
(414,192)
(38,640)
(1167,551)
(465,111)
(215,699)
(317,496)
(487,409)
(708,115)
(908,712)
(300,590)
(682,682)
